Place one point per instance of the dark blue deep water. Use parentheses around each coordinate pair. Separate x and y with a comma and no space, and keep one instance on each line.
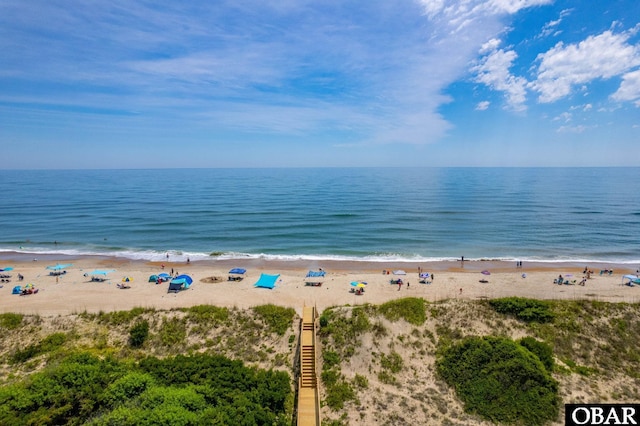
(551,214)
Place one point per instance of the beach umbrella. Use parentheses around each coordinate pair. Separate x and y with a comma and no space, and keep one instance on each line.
(7,269)
(58,266)
(485,272)
(164,275)
(358,284)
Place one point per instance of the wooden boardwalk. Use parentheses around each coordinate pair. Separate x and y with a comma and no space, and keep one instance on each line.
(308,396)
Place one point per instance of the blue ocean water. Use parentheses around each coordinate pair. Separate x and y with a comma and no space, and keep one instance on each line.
(543,214)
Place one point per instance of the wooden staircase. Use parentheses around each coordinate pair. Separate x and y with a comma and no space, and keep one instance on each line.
(308,395)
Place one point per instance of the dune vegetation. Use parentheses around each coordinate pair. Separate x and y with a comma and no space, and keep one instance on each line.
(407,361)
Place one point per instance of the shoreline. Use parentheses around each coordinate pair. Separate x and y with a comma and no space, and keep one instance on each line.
(74,292)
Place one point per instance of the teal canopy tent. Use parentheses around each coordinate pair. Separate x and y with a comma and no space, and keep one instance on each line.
(59,267)
(267,281)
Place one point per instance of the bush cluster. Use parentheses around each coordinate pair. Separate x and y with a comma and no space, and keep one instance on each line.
(48,344)
(500,380)
(411,309)
(277,318)
(185,390)
(527,310)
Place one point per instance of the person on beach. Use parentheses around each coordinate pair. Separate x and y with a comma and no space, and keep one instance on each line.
(408,285)
(399,284)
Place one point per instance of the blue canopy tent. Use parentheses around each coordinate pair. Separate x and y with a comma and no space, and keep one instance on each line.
(236,274)
(314,278)
(181,282)
(267,281)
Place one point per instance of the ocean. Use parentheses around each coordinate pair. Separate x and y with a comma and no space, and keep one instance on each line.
(385,214)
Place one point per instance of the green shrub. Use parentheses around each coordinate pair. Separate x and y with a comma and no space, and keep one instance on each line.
(500,380)
(540,349)
(330,359)
(277,318)
(139,334)
(527,310)
(203,389)
(127,387)
(411,309)
(48,344)
(207,314)
(392,362)
(122,317)
(173,331)
(10,321)
(338,394)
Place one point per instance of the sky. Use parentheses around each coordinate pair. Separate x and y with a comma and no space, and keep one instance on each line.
(297,83)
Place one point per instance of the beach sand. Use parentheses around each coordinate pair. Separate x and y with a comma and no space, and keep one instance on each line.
(74,292)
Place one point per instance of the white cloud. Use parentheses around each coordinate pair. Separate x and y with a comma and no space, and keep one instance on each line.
(481,106)
(550,28)
(565,116)
(572,129)
(493,71)
(489,46)
(565,66)
(513,6)
(629,89)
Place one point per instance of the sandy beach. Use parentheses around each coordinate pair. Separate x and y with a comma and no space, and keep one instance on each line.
(75,292)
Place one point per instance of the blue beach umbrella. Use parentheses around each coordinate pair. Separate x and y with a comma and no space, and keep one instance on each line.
(7,269)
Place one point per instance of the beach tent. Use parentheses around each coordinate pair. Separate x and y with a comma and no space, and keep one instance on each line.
(399,272)
(267,281)
(630,280)
(17,290)
(183,280)
(174,287)
(153,278)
